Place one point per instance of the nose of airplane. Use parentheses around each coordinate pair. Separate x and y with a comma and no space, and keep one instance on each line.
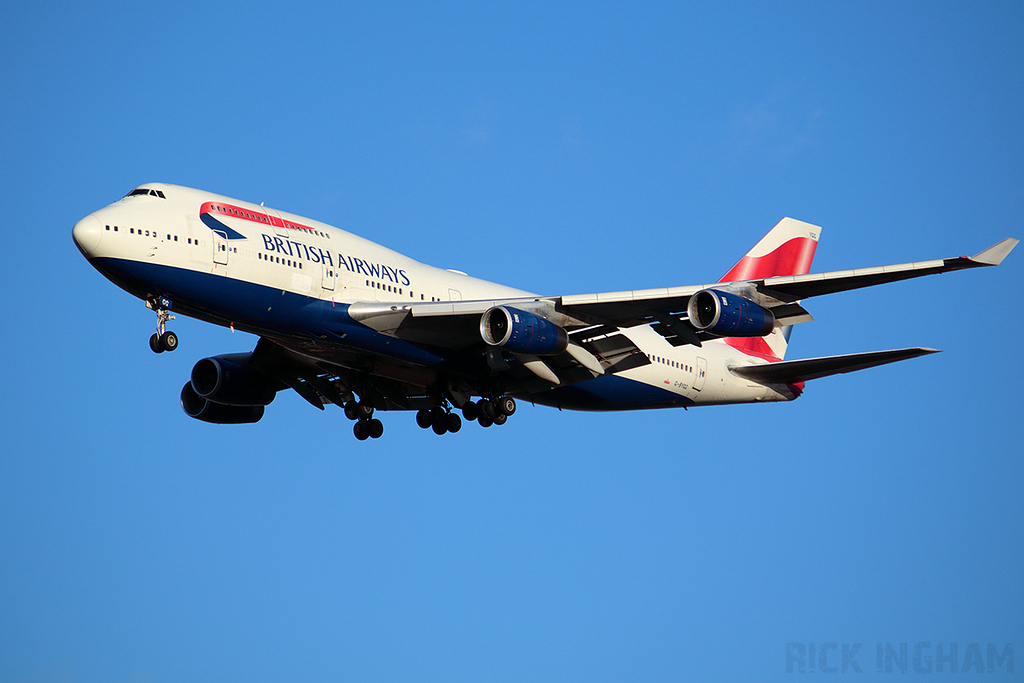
(87,233)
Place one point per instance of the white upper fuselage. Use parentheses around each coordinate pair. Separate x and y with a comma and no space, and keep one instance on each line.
(317,260)
(248,254)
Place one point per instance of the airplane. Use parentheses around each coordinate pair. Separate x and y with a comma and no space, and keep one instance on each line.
(344,321)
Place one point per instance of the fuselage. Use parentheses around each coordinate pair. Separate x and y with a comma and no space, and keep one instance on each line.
(292,279)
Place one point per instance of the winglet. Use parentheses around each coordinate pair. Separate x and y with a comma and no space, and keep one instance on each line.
(995,254)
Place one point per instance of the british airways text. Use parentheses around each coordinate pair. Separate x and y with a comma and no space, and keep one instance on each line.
(350,263)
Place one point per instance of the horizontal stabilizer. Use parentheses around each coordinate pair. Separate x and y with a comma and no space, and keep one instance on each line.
(995,254)
(790,371)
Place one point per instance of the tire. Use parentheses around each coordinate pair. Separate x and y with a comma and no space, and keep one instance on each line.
(168,341)
(485,421)
(352,410)
(487,408)
(454,422)
(500,419)
(361,431)
(470,411)
(154,343)
(364,410)
(424,418)
(507,406)
(375,428)
(439,421)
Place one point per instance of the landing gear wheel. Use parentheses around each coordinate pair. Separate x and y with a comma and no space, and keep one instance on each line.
(454,423)
(424,419)
(470,411)
(168,341)
(500,419)
(352,410)
(439,421)
(375,428)
(486,408)
(361,431)
(485,421)
(365,411)
(507,406)
(164,339)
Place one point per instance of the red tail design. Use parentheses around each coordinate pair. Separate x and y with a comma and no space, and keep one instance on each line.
(787,249)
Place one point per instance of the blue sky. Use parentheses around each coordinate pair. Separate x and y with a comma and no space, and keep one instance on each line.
(563,150)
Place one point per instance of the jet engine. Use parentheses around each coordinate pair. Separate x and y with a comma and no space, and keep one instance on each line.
(522,332)
(230,380)
(226,390)
(203,409)
(729,315)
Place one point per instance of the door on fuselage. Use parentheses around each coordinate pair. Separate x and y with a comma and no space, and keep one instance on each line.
(220,247)
(702,373)
(329,276)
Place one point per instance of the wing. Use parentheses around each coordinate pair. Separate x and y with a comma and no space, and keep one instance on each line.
(452,329)
(776,293)
(454,324)
(321,382)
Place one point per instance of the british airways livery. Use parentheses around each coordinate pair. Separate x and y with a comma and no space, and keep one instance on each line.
(346,321)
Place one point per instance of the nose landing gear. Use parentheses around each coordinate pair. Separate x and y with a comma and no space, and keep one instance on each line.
(164,339)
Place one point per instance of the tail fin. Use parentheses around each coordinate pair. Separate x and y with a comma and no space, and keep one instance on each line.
(787,249)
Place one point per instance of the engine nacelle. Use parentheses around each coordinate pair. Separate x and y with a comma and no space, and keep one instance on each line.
(522,332)
(729,315)
(203,409)
(229,380)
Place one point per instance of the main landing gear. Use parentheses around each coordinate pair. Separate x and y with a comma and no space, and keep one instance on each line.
(487,412)
(442,419)
(439,419)
(164,339)
(366,426)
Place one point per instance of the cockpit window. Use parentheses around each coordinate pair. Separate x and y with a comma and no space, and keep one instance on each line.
(146,191)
